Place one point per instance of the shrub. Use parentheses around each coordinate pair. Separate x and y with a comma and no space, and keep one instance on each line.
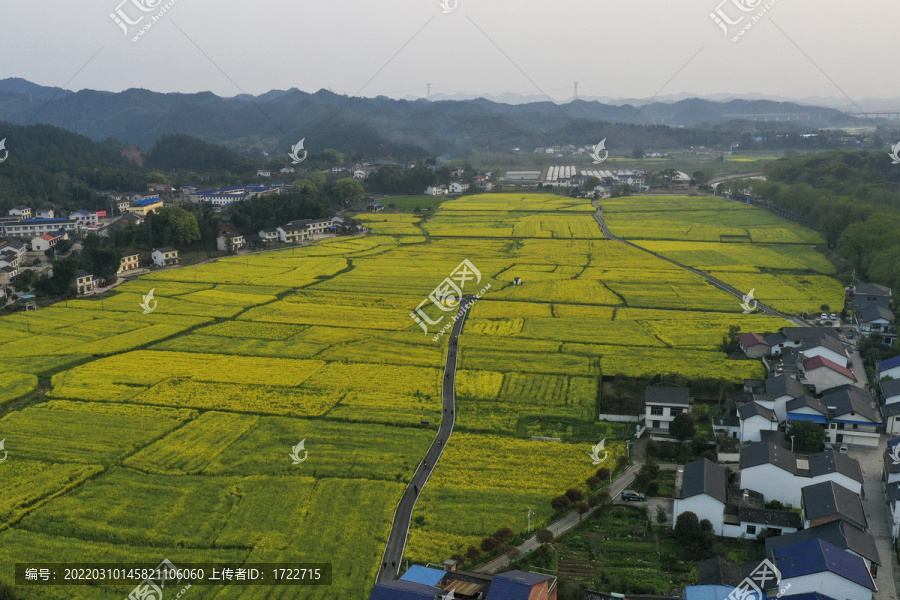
(575,495)
(603,474)
(593,482)
(472,553)
(490,544)
(545,536)
(661,515)
(560,503)
(505,534)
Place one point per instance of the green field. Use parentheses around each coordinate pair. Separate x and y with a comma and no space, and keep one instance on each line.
(193,409)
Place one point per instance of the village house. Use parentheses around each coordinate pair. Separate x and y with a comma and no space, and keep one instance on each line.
(230,242)
(794,337)
(122,205)
(663,404)
(852,417)
(268,235)
(145,206)
(129,262)
(780,390)
(20,211)
(838,532)
(754,419)
(44,242)
(8,274)
(44,213)
(458,187)
(890,405)
(294,232)
(828,501)
(425,583)
(85,282)
(437,190)
(815,566)
(84,218)
(826,347)
(701,487)
(165,257)
(823,374)
(754,345)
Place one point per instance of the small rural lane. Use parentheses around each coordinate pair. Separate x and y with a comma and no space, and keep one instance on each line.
(567,522)
(716,282)
(396,545)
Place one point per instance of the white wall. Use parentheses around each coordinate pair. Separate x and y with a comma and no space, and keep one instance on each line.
(780,408)
(838,478)
(751,427)
(773,483)
(828,584)
(705,507)
(892,373)
(825,379)
(840,359)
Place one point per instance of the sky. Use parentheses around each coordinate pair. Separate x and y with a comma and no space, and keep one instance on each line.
(613,48)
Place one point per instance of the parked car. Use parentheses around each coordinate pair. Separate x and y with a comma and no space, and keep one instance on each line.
(823,317)
(833,317)
(843,449)
(632,496)
(850,335)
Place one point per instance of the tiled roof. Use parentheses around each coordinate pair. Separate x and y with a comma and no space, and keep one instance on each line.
(819,362)
(828,499)
(817,556)
(849,399)
(705,477)
(668,395)
(514,585)
(755,409)
(760,453)
(784,385)
(830,461)
(842,534)
(889,364)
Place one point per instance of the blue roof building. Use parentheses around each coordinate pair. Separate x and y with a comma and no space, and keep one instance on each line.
(405,590)
(887,365)
(516,585)
(715,592)
(423,575)
(807,596)
(817,566)
(146,201)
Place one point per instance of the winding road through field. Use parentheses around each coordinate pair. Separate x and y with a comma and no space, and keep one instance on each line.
(766,310)
(393,552)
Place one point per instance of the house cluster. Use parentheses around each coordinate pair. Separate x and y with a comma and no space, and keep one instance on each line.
(426,583)
(23,223)
(230,195)
(871,305)
(815,354)
(295,232)
(824,548)
(12,257)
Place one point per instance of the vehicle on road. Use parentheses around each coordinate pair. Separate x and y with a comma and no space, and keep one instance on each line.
(833,317)
(823,317)
(843,449)
(632,496)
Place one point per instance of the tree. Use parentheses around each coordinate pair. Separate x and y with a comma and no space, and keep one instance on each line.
(513,553)
(600,500)
(583,508)
(575,495)
(682,426)
(593,482)
(545,536)
(809,437)
(172,225)
(591,183)
(603,474)
(661,517)
(472,553)
(347,190)
(560,503)
(490,544)
(505,534)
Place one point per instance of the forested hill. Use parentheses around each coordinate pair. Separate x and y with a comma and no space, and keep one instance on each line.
(380,126)
(852,198)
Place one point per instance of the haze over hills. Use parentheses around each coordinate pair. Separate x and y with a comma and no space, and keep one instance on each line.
(275,120)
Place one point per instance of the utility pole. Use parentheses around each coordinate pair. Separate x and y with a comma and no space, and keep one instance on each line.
(529,519)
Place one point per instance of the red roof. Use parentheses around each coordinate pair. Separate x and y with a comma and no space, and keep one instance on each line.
(49,237)
(817,362)
(751,339)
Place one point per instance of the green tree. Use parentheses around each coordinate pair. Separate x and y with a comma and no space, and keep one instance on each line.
(583,508)
(808,437)
(347,190)
(545,536)
(574,494)
(560,503)
(683,427)
(504,535)
(591,183)
(172,225)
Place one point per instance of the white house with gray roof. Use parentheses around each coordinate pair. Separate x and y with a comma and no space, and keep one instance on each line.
(853,418)
(755,418)
(663,404)
(779,391)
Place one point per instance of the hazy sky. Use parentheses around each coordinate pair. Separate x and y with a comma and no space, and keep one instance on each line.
(618,48)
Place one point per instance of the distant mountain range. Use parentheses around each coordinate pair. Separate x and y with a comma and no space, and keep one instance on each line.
(274,121)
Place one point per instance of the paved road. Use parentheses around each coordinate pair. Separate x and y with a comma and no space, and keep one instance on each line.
(393,552)
(719,284)
(879,518)
(566,523)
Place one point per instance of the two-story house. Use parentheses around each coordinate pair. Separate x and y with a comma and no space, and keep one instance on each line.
(85,282)
(663,404)
(230,242)
(165,257)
